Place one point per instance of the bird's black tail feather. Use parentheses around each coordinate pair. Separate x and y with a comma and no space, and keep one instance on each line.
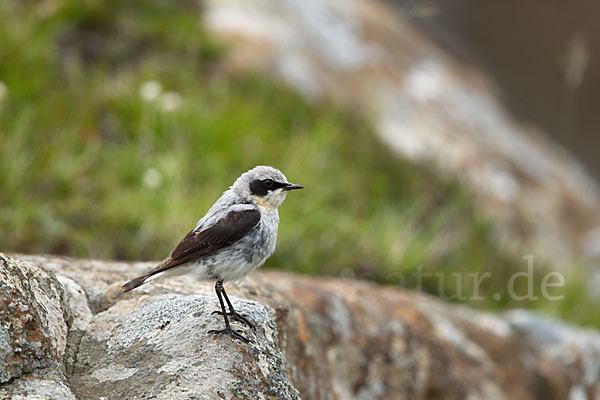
(132,284)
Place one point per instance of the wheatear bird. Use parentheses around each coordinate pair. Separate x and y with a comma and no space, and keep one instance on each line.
(235,236)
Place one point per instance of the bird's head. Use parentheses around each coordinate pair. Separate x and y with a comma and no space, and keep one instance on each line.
(266,186)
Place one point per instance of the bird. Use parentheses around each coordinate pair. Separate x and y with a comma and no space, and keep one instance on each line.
(236,235)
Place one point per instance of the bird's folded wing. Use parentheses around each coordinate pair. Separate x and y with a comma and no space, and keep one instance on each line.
(199,243)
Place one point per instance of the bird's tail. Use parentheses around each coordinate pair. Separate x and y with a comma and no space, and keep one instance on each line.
(132,284)
(148,276)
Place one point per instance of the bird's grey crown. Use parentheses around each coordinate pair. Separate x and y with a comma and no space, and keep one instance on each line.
(239,196)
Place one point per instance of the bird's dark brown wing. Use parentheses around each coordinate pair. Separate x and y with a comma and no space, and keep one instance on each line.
(196,244)
(224,233)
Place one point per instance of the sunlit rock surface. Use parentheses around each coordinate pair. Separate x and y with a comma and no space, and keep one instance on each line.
(426,106)
(315,339)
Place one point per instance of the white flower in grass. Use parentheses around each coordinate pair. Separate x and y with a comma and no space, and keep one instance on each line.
(152,177)
(150,90)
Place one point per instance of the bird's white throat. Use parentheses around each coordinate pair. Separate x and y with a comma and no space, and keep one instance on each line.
(272,201)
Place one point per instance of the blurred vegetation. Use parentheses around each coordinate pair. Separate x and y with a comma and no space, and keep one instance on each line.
(118,131)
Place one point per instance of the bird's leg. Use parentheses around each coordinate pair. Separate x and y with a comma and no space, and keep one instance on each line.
(232,313)
(228,329)
(237,316)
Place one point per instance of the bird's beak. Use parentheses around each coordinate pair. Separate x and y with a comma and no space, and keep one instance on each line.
(292,186)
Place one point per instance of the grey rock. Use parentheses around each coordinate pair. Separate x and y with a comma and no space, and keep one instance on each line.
(55,347)
(158,347)
(316,338)
(40,385)
(34,319)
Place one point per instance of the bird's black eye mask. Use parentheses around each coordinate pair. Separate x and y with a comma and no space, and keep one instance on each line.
(260,187)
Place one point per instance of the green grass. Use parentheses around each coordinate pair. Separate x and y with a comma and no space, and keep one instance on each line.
(91,169)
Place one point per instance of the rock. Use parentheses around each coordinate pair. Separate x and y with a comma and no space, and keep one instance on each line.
(158,347)
(43,385)
(135,347)
(315,338)
(358,340)
(34,319)
(427,106)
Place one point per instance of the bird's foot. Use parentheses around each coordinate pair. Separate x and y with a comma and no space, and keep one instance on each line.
(237,317)
(232,332)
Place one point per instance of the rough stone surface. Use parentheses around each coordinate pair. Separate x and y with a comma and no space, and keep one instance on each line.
(40,385)
(34,319)
(315,339)
(427,106)
(158,347)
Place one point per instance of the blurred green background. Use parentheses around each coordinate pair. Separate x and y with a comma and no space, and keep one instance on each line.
(118,130)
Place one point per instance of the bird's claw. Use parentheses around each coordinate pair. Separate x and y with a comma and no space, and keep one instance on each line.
(231,332)
(237,317)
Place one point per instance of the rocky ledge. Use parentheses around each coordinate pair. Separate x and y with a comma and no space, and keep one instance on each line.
(67,333)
